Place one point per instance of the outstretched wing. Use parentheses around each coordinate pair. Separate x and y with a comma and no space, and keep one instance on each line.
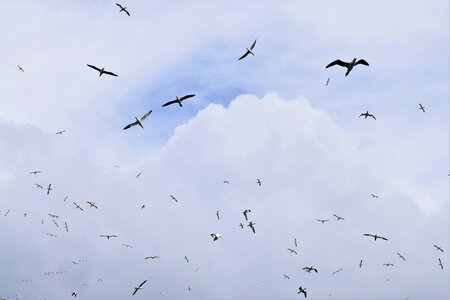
(121,7)
(362,62)
(368,234)
(146,115)
(253,45)
(186,97)
(94,67)
(373,117)
(130,125)
(383,238)
(337,62)
(126,12)
(245,54)
(110,73)
(169,103)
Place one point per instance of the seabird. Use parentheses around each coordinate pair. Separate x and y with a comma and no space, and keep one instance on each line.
(360,264)
(292,251)
(20,68)
(302,290)
(178,100)
(139,287)
(186,258)
(143,206)
(102,71)
(401,256)
(122,8)
(126,245)
(152,257)
(215,236)
(249,51)
(74,294)
(338,217)
(77,206)
(347,65)
(92,204)
(241,225)
(438,248)
(173,198)
(366,114)
(38,185)
(35,172)
(67,227)
(440,263)
(107,236)
(138,122)
(421,107)
(54,222)
(226,181)
(323,221)
(65,198)
(375,236)
(49,188)
(388,264)
(310,269)
(7,213)
(137,176)
(337,271)
(251,226)
(245,212)
(295,242)
(258,181)
(374,196)
(61,132)
(52,235)
(328,80)
(218,216)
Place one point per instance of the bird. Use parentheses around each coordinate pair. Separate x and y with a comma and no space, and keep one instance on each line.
(122,8)
(65,226)
(52,235)
(295,242)
(20,68)
(152,257)
(285,276)
(302,290)
(137,176)
(35,172)
(173,198)
(186,258)
(54,222)
(421,107)
(366,114)
(65,198)
(107,236)
(245,212)
(138,122)
(196,269)
(440,264)
(139,287)
(375,237)
(292,251)
(215,236)
(249,51)
(226,181)
(38,186)
(61,132)
(77,206)
(338,217)
(7,213)
(337,271)
(179,100)
(92,204)
(251,225)
(388,264)
(348,65)
(218,216)
(360,264)
(328,80)
(241,225)
(143,206)
(102,71)
(374,196)
(401,256)
(258,181)
(438,248)
(49,188)
(74,294)
(323,221)
(309,269)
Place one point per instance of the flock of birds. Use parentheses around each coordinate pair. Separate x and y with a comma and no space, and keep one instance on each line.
(215,235)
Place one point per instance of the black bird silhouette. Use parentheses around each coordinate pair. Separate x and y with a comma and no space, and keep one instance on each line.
(186,258)
(302,290)
(374,196)
(438,248)
(66,226)
(92,204)
(258,181)
(108,236)
(38,185)
(226,181)
(249,51)
(285,276)
(218,216)
(178,100)
(338,217)
(77,206)
(421,107)
(292,250)
(348,65)
(366,114)
(152,257)
(295,242)
(337,271)
(49,188)
(375,237)
(323,221)
(328,80)
(20,68)
(35,172)
(215,236)
(440,264)
(360,264)
(251,225)
(139,287)
(401,256)
(122,8)
(138,122)
(173,198)
(61,132)
(245,212)
(241,225)
(74,294)
(388,264)
(310,269)
(102,71)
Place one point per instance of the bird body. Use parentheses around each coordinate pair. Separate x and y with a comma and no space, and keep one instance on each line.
(421,107)
(302,290)
(49,188)
(245,212)
(310,269)
(215,236)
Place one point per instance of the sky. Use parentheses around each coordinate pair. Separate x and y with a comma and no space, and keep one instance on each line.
(270,116)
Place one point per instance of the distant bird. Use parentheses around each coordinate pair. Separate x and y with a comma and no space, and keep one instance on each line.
(35,172)
(375,237)
(65,198)
(226,181)
(65,226)
(102,71)
(126,245)
(137,176)
(74,294)
(49,188)
(328,80)
(218,216)
(245,212)
(152,257)
(360,264)
(401,256)
(241,225)
(388,264)
(122,8)
(54,222)
(323,221)
(366,115)
(285,276)
(295,242)
(337,271)
(249,51)
(108,236)
(292,251)
(186,258)
(143,206)
(348,65)
(52,235)
(302,290)
(38,186)
(438,248)
(92,204)
(7,213)
(196,269)
(173,198)
(421,107)
(75,263)
(138,122)
(61,132)
(338,217)
(139,287)
(440,264)
(178,100)
(77,206)
(309,269)
(20,68)
(215,236)
(251,225)
(258,181)
(374,196)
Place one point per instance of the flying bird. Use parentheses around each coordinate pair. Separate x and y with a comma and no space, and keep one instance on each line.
(74,294)
(338,217)
(302,290)
(328,80)
(65,198)
(388,264)
(440,264)
(178,100)
(65,226)
(366,114)
(54,222)
(122,8)
(77,206)
(249,51)
(421,107)
(348,65)
(337,271)
(49,188)
(20,68)
(126,245)
(310,269)
(186,258)
(245,212)
(139,287)
(241,225)
(251,225)
(215,236)
(38,186)
(53,216)
(292,251)
(102,71)
(218,216)
(295,242)
(375,237)
(401,256)
(374,196)
(137,176)
(152,257)
(258,181)
(108,236)
(138,122)
(92,204)
(35,172)
(61,132)
(438,248)
(323,221)
(360,264)
(173,198)
(285,276)
(226,181)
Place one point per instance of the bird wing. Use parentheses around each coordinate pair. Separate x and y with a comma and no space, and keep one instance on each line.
(94,67)
(121,7)
(169,103)
(130,125)
(110,73)
(383,238)
(186,97)
(245,54)
(126,12)
(337,62)
(373,117)
(361,115)
(253,45)
(362,62)
(368,234)
(146,115)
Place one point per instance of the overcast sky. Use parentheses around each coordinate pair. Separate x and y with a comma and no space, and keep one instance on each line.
(270,116)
